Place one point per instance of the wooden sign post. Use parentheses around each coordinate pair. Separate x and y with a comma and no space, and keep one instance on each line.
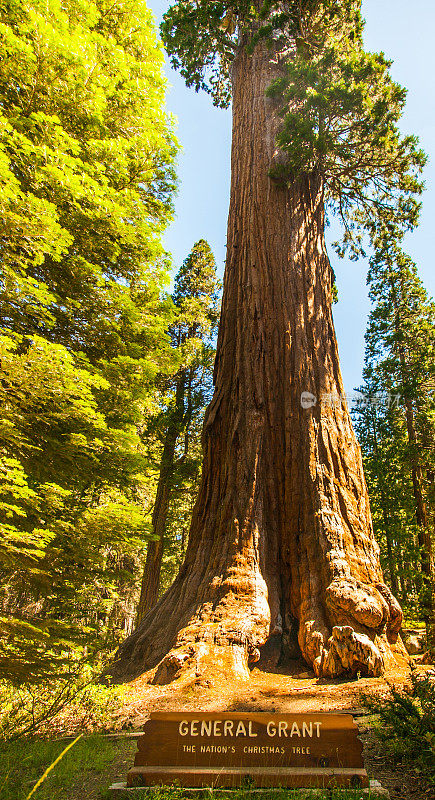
(249,749)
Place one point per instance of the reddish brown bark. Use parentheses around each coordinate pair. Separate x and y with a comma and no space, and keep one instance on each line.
(281,535)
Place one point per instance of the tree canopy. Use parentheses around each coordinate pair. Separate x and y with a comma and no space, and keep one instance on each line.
(339,105)
(396,424)
(86,167)
(87,171)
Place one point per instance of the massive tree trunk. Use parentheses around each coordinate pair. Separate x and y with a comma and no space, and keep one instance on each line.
(281,542)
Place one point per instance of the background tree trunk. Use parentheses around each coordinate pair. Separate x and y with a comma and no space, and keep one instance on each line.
(149,591)
(427,560)
(423,530)
(281,535)
(150,585)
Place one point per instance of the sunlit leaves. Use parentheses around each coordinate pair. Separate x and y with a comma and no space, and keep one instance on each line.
(87,176)
(86,156)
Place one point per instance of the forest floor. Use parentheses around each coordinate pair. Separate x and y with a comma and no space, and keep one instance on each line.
(279,691)
(96,761)
(294,690)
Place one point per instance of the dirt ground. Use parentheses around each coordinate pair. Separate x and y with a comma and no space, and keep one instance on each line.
(290,691)
(294,690)
(402,780)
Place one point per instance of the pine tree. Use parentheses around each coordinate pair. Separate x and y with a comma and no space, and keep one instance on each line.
(379,424)
(281,545)
(400,355)
(195,298)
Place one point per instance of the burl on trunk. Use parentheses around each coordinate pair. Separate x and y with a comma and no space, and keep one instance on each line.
(281,550)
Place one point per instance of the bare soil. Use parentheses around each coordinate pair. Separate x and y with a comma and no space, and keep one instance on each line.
(293,690)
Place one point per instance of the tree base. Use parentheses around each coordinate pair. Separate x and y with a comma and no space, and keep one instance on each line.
(350,655)
(353,631)
(211,658)
(206,661)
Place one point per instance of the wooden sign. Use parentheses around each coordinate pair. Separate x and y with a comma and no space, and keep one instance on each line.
(249,749)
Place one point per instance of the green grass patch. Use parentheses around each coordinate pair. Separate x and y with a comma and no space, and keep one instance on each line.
(23,762)
(177,793)
(95,762)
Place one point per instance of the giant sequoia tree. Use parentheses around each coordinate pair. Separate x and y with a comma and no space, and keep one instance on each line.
(281,547)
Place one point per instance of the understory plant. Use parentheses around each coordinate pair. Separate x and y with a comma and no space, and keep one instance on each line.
(59,706)
(406,722)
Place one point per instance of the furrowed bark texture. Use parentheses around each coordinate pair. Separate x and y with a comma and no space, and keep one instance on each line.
(281,543)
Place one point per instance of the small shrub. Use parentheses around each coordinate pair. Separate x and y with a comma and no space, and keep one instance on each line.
(94,708)
(60,706)
(407,722)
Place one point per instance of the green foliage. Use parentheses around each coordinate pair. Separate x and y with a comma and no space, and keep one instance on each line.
(59,706)
(87,174)
(339,105)
(407,723)
(340,119)
(86,165)
(205,61)
(195,297)
(184,394)
(381,433)
(184,487)
(401,324)
(397,437)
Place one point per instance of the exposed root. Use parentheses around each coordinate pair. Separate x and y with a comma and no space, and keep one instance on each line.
(366,620)
(350,652)
(350,601)
(204,660)
(396,615)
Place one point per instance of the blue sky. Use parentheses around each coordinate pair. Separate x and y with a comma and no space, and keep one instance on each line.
(404,32)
